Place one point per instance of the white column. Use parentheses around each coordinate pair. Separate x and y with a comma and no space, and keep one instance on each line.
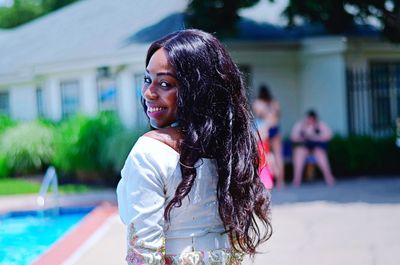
(126,98)
(323,81)
(52,99)
(88,94)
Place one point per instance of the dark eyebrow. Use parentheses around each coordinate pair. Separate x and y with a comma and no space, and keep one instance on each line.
(163,73)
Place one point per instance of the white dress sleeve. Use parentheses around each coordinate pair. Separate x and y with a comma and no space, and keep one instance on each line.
(141,198)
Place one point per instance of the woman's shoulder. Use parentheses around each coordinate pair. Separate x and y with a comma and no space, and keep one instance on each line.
(151,151)
(170,137)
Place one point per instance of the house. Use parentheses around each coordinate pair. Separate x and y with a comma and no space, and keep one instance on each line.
(89,57)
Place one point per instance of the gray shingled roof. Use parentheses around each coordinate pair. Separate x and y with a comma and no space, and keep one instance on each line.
(97,28)
(248,30)
(86,29)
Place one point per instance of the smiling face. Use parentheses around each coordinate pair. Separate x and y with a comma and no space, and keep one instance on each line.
(160,90)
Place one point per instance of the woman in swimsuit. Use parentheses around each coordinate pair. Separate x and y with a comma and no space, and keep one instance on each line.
(270,115)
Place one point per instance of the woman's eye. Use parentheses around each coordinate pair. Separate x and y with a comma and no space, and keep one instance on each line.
(146,80)
(164,84)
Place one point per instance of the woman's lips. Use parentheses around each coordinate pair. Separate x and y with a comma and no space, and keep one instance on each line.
(154,112)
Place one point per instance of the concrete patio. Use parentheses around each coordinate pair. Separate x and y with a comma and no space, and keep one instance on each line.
(356,222)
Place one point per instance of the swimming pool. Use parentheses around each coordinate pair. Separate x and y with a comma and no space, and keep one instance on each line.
(25,235)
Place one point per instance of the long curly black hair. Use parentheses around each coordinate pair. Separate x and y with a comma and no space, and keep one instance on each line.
(216,122)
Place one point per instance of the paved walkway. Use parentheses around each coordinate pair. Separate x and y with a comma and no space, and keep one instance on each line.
(356,222)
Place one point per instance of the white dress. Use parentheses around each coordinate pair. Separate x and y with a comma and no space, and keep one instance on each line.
(195,233)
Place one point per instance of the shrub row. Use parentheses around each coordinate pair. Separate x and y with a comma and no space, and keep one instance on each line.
(5,123)
(93,149)
(363,155)
(87,149)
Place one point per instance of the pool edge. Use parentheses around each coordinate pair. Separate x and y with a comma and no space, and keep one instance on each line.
(64,248)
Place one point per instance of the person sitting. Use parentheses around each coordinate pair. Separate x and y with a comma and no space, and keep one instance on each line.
(310,136)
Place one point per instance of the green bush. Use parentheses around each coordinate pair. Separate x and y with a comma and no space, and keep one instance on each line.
(5,123)
(27,148)
(363,155)
(116,149)
(4,169)
(79,144)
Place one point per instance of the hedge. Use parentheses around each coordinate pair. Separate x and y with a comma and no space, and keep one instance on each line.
(83,149)
(363,155)
(26,148)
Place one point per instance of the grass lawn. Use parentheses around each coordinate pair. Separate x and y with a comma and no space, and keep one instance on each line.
(22,186)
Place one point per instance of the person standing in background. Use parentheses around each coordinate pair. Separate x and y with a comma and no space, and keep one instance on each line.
(265,168)
(269,109)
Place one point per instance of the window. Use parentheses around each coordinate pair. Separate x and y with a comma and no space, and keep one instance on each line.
(39,102)
(373,99)
(141,118)
(385,94)
(69,97)
(4,103)
(106,89)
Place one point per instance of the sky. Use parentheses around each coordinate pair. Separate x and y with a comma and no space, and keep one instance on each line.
(265,11)
(256,12)
(6,2)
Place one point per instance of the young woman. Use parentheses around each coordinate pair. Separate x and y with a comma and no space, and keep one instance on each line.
(266,167)
(190,192)
(269,110)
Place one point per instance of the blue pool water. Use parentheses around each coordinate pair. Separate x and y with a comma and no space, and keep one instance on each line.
(25,235)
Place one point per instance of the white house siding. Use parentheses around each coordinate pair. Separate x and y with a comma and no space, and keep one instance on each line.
(361,52)
(277,67)
(52,93)
(23,102)
(323,80)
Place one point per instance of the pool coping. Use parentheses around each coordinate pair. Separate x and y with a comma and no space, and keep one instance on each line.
(27,202)
(72,241)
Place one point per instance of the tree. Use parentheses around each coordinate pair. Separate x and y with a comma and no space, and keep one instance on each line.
(341,15)
(19,13)
(338,16)
(23,11)
(52,5)
(219,16)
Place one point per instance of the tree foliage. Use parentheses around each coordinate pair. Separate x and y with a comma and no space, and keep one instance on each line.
(216,16)
(20,12)
(51,5)
(23,11)
(340,15)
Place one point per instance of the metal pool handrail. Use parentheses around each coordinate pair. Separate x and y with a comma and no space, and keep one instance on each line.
(50,177)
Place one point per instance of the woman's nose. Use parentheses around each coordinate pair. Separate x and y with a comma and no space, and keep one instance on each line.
(149,92)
